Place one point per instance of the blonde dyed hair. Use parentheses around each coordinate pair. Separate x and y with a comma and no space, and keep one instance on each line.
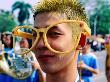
(72,9)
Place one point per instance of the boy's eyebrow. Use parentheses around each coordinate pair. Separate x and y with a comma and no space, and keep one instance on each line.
(54,27)
(41,27)
(36,27)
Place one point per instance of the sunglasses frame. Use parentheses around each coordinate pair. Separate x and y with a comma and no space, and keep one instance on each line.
(16,32)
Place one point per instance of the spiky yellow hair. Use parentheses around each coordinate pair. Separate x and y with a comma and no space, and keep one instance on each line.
(71,8)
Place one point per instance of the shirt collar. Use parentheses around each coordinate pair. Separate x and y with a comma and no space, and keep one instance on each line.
(77,79)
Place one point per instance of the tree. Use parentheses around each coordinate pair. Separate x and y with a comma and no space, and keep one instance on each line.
(98,14)
(24,11)
(101,17)
(7,22)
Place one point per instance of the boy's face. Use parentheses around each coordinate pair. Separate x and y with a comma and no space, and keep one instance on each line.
(59,38)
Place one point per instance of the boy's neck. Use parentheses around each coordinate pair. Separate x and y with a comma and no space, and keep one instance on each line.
(68,74)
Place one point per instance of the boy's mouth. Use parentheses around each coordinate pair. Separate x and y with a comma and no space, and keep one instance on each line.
(45,57)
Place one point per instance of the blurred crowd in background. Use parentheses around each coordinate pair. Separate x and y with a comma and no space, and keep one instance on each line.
(98,42)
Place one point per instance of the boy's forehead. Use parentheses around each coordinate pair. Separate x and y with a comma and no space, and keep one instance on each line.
(47,19)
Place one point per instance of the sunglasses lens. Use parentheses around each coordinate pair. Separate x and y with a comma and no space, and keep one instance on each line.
(58,36)
(21,65)
(23,40)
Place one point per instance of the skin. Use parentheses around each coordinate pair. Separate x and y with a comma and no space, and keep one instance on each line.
(58,68)
(7,40)
(24,43)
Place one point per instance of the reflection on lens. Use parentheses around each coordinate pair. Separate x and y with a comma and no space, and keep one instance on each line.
(23,39)
(58,36)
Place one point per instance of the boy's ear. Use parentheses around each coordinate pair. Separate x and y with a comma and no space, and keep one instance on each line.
(82,41)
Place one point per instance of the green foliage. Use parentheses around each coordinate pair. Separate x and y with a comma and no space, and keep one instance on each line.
(99,14)
(7,22)
(24,11)
(102,11)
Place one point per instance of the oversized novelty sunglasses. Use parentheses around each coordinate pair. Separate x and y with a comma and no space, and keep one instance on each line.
(33,34)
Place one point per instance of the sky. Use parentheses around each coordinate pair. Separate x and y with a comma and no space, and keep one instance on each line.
(6,4)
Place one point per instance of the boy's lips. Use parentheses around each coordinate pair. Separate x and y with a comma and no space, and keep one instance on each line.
(45,57)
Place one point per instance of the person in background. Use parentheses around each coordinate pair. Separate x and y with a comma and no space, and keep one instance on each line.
(24,43)
(7,40)
(87,63)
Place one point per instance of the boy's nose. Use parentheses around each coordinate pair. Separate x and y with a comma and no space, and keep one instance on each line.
(41,42)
